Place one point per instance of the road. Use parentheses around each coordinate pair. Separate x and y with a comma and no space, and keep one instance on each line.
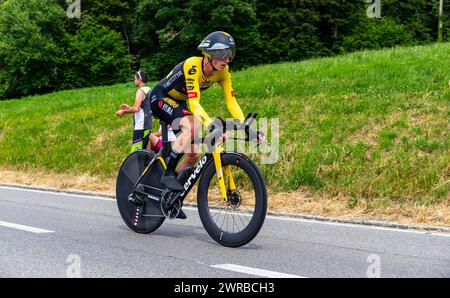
(47,234)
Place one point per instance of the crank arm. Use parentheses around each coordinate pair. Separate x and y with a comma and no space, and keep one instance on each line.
(149,196)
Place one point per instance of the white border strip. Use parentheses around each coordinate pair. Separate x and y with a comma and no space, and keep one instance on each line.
(255,271)
(24,228)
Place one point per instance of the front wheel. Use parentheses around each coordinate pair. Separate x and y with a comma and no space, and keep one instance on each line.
(236,222)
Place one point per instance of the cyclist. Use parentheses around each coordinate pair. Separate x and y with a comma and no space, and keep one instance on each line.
(142,116)
(177,96)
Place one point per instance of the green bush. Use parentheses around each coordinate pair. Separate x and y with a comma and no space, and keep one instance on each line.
(96,56)
(37,55)
(169,31)
(151,67)
(32,41)
(377,34)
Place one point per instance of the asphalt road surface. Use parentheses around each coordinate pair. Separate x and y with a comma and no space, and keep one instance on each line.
(46,234)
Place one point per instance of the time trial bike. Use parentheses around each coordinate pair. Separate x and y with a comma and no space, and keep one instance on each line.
(231,192)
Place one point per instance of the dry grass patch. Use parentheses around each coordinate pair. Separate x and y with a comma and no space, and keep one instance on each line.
(338,207)
(63,181)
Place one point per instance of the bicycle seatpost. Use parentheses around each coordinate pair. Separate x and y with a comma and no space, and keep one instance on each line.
(165,139)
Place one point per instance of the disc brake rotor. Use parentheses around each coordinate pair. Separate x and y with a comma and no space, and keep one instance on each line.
(235,199)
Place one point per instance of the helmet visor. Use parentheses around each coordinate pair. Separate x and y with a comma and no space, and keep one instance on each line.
(223,54)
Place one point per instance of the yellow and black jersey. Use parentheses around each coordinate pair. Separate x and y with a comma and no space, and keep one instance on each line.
(187,80)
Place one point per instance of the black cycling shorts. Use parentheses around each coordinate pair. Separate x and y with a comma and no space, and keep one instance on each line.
(167,109)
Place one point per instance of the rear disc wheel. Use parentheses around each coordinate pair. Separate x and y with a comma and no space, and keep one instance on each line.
(147,217)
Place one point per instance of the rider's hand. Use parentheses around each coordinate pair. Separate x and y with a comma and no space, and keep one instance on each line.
(120,113)
(225,135)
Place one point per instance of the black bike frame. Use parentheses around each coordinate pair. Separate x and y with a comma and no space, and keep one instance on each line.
(199,167)
(163,154)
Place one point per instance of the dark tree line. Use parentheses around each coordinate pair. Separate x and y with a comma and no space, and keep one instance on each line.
(112,37)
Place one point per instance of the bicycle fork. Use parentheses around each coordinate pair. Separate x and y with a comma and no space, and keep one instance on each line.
(220,175)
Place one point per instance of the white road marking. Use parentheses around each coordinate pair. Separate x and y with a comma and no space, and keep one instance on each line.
(285,218)
(24,228)
(255,271)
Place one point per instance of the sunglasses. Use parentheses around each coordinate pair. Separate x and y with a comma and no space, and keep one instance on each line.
(222,54)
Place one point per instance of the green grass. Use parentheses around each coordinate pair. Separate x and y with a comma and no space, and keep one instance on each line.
(371,125)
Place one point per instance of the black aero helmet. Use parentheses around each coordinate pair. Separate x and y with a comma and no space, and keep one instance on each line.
(218,45)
